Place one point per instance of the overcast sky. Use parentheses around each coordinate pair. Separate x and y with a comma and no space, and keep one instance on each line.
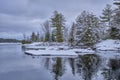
(24,16)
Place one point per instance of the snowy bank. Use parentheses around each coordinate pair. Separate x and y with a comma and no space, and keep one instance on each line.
(56,52)
(109,54)
(33,47)
(39,48)
(108,45)
(51,52)
(79,51)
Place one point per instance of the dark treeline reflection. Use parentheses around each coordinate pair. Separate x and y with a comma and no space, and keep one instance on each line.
(15,65)
(112,72)
(85,65)
(56,66)
(88,64)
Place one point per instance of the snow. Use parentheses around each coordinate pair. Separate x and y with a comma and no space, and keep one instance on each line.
(59,50)
(108,45)
(109,54)
(51,52)
(40,48)
(79,51)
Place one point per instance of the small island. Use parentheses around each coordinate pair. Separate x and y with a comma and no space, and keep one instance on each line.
(87,34)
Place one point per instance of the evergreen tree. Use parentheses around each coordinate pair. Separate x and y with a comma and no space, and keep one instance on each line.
(58,21)
(116,16)
(115,33)
(33,37)
(117,2)
(115,29)
(53,37)
(107,15)
(106,19)
(87,29)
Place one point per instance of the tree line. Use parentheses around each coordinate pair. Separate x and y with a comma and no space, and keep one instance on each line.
(87,29)
(9,40)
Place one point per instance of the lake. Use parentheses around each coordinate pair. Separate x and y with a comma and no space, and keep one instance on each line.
(16,65)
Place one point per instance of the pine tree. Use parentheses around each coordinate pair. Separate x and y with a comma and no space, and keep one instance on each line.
(53,38)
(107,15)
(116,16)
(87,29)
(115,29)
(117,2)
(80,27)
(106,20)
(58,21)
(33,37)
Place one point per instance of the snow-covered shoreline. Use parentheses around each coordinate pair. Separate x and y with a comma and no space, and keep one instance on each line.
(69,52)
(51,53)
(108,45)
(40,49)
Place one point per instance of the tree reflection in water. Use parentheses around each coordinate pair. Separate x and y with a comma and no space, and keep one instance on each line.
(72,65)
(113,70)
(56,65)
(58,68)
(84,66)
(88,65)
(47,63)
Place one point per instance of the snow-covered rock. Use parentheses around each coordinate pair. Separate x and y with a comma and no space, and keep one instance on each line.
(108,45)
(51,52)
(83,51)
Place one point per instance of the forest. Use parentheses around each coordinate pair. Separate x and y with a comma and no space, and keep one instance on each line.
(87,30)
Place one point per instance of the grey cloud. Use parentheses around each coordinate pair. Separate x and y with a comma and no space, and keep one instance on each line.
(18,24)
(25,16)
(15,7)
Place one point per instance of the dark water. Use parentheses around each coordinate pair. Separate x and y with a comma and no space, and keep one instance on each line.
(15,65)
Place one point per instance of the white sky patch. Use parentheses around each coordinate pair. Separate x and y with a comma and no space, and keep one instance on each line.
(11,35)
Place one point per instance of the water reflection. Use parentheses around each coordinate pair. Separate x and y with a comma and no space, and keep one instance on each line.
(113,70)
(88,65)
(57,68)
(15,65)
(72,65)
(85,66)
